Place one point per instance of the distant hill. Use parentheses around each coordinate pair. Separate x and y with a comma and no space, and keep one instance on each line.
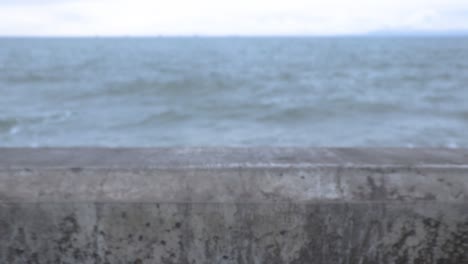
(411,32)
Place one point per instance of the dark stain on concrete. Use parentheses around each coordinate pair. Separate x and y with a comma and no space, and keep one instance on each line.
(455,248)
(76,169)
(377,191)
(68,227)
(273,254)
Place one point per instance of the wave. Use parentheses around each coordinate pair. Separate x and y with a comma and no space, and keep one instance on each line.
(13,124)
(329,110)
(153,120)
(47,76)
(155,87)
(7,124)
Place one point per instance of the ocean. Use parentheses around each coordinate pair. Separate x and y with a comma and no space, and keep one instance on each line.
(234,91)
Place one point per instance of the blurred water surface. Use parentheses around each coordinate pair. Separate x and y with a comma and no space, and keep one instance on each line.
(234,92)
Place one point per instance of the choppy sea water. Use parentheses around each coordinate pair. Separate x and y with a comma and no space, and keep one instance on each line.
(406,92)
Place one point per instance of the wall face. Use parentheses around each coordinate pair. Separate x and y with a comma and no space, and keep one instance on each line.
(234,233)
(233,206)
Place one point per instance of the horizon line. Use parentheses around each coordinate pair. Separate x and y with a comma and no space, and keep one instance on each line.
(370,34)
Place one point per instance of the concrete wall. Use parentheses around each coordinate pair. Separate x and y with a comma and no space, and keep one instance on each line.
(229,205)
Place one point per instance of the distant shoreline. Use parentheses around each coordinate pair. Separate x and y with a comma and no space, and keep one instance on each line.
(377,34)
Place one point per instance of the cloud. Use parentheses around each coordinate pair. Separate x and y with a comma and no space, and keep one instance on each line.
(218,17)
(24,3)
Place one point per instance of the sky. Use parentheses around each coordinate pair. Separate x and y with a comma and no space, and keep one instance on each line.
(227,17)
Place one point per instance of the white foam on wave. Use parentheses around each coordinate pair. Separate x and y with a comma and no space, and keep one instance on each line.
(452,145)
(14,130)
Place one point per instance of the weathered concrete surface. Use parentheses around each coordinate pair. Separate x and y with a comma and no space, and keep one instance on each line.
(229,205)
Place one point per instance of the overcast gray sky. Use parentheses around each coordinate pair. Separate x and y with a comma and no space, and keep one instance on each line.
(230,17)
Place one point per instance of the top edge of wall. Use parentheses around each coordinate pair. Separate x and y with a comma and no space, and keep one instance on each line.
(225,157)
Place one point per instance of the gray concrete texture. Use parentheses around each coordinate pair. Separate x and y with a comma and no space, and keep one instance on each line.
(233,205)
